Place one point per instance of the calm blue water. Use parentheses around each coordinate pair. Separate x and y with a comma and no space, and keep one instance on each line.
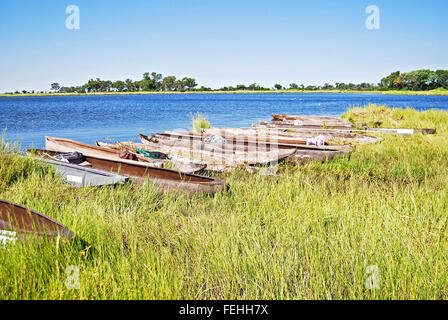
(122,117)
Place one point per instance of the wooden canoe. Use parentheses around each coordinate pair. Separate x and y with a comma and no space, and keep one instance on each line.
(163,179)
(200,144)
(290,124)
(399,131)
(17,222)
(299,156)
(209,153)
(306,117)
(183,165)
(67,145)
(262,141)
(339,136)
(296,138)
(311,120)
(302,153)
(226,148)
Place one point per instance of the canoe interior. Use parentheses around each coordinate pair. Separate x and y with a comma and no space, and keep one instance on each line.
(267,144)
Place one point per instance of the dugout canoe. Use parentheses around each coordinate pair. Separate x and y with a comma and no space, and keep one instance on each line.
(215,154)
(340,137)
(291,124)
(183,165)
(310,120)
(17,222)
(165,180)
(262,141)
(366,130)
(283,137)
(200,144)
(301,154)
(67,145)
(306,117)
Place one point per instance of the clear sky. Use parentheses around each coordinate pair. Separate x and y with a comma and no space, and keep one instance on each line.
(218,42)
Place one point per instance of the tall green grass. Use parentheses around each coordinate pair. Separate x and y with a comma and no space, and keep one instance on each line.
(310,232)
(200,122)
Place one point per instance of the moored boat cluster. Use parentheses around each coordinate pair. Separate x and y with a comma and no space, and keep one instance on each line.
(171,160)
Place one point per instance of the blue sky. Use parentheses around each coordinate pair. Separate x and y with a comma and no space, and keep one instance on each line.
(218,42)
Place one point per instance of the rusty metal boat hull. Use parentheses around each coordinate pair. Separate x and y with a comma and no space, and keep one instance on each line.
(17,222)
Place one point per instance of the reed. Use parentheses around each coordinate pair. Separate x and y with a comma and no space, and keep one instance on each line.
(317,231)
(200,122)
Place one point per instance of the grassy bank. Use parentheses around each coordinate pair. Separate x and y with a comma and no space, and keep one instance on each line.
(438,92)
(316,231)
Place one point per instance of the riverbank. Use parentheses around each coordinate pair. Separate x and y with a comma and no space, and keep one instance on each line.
(317,231)
(438,92)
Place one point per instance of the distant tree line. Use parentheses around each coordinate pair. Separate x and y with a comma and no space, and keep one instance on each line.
(150,82)
(419,80)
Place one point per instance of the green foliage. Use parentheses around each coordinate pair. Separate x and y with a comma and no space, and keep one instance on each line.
(416,81)
(419,80)
(200,122)
(310,232)
(278,86)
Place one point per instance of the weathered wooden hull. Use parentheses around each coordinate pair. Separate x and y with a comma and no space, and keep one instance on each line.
(301,154)
(311,121)
(276,136)
(163,179)
(339,136)
(183,165)
(290,124)
(265,143)
(283,117)
(17,222)
(399,131)
(216,154)
(67,145)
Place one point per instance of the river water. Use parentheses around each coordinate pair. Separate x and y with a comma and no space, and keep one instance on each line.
(122,117)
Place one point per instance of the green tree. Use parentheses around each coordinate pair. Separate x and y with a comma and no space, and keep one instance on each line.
(388,82)
(129,85)
(293,86)
(253,87)
(442,79)
(189,83)
(55,86)
(278,86)
(169,83)
(420,79)
(119,85)
(151,81)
